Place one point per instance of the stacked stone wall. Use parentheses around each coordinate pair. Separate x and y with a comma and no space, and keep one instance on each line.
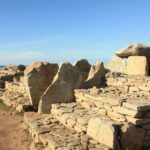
(124,110)
(15,95)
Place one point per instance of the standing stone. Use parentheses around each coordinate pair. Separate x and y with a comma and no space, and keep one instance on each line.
(117,64)
(137,65)
(96,75)
(39,75)
(62,88)
(84,66)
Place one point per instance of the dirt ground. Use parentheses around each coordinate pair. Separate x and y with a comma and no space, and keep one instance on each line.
(12,134)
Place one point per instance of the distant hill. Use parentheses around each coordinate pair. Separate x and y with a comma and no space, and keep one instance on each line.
(1,66)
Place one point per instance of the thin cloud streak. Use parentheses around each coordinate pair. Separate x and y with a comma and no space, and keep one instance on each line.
(56,56)
(21,57)
(32,42)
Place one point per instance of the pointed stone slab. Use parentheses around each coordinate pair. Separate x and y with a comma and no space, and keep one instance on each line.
(39,75)
(96,75)
(84,66)
(62,88)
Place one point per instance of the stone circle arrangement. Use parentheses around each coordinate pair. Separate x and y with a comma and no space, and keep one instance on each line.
(84,106)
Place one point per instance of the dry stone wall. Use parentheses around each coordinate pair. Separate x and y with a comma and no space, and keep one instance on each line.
(47,130)
(15,95)
(125,110)
(78,118)
(131,84)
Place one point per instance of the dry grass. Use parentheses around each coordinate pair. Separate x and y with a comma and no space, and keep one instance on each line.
(3,106)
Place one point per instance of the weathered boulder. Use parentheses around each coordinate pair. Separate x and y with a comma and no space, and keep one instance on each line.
(84,66)
(134,50)
(132,137)
(21,67)
(103,131)
(62,88)
(39,75)
(137,65)
(117,64)
(96,75)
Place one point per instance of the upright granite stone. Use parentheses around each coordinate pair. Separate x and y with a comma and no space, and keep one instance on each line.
(137,65)
(134,50)
(84,66)
(117,64)
(39,75)
(62,88)
(96,75)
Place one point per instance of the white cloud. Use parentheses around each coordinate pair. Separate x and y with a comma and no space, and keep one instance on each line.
(28,55)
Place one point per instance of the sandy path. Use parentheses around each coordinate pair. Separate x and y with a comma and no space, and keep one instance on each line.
(12,134)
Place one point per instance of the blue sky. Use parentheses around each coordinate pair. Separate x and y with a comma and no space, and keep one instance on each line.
(58,30)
